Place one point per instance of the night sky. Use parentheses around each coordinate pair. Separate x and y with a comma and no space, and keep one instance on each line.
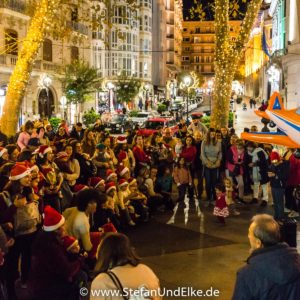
(207,8)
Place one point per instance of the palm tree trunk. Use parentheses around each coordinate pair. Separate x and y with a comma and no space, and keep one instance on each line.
(20,77)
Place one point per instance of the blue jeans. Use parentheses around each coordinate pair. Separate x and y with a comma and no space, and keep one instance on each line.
(278,200)
(211,179)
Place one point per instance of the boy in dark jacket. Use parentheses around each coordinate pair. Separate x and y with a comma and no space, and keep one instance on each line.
(278,174)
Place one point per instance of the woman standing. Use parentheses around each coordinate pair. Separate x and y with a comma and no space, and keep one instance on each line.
(211,155)
(60,139)
(235,165)
(119,267)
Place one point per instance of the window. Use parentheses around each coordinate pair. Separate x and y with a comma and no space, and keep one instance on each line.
(197,30)
(197,59)
(74,14)
(185,30)
(11,42)
(47,50)
(185,58)
(74,53)
(186,39)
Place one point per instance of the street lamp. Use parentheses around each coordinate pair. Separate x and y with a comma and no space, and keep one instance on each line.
(187,80)
(44,83)
(110,86)
(147,87)
(210,84)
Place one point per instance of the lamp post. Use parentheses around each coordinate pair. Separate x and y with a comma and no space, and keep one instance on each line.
(147,87)
(110,86)
(210,84)
(45,82)
(187,80)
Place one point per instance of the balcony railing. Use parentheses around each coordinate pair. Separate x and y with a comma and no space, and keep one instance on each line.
(11,60)
(14,5)
(79,27)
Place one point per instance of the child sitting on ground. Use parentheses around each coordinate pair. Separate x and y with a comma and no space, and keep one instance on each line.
(221,209)
(230,197)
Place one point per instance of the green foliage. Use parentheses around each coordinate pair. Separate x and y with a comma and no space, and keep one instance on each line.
(90,117)
(55,123)
(79,82)
(206,120)
(133,113)
(161,108)
(127,88)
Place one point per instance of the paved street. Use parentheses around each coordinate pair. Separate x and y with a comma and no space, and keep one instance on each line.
(201,254)
(243,118)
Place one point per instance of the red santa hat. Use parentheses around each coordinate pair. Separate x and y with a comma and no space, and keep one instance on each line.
(2,151)
(122,170)
(122,155)
(109,174)
(274,156)
(19,171)
(131,180)
(80,187)
(69,242)
(110,186)
(42,150)
(122,182)
(52,219)
(121,140)
(96,181)
(109,227)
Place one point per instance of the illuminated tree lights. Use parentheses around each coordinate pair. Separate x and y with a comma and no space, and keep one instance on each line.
(228,55)
(18,81)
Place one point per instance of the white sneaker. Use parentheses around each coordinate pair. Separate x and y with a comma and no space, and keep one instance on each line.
(293,214)
(286,210)
(131,223)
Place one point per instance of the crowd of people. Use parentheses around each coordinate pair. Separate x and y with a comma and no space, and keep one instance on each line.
(62,191)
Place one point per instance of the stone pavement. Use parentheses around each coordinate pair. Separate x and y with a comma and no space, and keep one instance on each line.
(201,254)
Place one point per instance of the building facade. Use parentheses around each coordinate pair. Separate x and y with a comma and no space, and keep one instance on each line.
(198,46)
(257,81)
(44,96)
(125,46)
(167,46)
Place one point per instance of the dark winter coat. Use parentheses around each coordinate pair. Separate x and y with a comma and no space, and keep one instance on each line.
(52,274)
(281,175)
(271,273)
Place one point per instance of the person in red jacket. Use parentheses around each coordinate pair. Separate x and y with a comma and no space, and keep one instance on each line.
(293,182)
(141,158)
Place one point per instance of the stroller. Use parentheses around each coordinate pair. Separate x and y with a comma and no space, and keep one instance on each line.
(244,106)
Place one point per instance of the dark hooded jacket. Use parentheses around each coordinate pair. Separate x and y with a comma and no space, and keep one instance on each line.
(271,273)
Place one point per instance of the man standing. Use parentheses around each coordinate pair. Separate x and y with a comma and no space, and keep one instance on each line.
(259,164)
(273,268)
(196,124)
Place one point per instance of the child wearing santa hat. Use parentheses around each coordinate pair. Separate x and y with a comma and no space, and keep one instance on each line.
(278,173)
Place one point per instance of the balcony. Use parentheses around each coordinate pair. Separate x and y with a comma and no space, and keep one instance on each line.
(15,5)
(78,27)
(8,60)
